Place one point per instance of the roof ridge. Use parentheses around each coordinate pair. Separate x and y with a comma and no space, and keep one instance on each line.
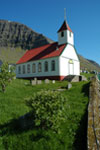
(46,51)
(41,46)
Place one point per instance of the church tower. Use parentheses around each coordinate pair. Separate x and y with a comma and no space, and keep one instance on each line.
(65,34)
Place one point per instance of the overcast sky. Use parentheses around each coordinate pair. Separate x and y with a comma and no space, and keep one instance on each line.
(46,17)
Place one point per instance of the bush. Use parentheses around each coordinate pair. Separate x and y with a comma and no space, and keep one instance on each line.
(6,75)
(48,108)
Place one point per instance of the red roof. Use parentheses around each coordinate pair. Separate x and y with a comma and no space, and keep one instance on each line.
(46,51)
(64,26)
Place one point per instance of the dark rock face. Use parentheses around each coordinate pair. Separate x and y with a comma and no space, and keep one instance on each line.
(14,34)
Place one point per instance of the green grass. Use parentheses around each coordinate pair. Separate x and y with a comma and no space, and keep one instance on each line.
(11,55)
(88,75)
(12,106)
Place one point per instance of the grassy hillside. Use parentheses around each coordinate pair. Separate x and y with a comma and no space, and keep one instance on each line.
(11,55)
(88,65)
(12,106)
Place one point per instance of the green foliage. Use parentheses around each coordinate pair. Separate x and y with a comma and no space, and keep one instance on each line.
(5,76)
(48,109)
(12,107)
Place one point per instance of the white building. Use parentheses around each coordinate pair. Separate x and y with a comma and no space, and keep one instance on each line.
(52,61)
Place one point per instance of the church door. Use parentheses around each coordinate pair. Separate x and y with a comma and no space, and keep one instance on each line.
(71,67)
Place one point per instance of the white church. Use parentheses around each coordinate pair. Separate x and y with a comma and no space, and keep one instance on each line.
(53,61)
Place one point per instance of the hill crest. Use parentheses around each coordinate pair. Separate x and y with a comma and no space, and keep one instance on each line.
(13,34)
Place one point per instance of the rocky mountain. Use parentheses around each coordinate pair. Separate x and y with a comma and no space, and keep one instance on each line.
(13,34)
(15,38)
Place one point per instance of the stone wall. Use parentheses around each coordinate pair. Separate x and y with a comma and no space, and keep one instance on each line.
(94,115)
(75,78)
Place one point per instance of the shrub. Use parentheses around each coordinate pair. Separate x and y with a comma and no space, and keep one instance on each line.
(48,108)
(5,75)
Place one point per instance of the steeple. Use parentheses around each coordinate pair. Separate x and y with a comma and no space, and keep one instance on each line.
(64,26)
(65,34)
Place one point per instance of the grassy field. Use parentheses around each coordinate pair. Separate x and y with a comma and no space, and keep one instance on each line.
(88,75)
(12,106)
(11,55)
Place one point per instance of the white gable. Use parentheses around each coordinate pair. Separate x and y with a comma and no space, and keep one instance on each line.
(70,53)
(69,62)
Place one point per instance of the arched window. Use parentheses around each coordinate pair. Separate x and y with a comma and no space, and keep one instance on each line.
(33,68)
(39,67)
(28,68)
(46,66)
(53,65)
(19,69)
(23,69)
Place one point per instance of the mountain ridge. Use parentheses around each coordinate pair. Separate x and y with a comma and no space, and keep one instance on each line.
(14,34)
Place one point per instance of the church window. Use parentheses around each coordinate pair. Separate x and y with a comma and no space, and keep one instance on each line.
(62,34)
(39,67)
(19,70)
(34,68)
(69,33)
(71,61)
(28,68)
(46,66)
(23,69)
(53,65)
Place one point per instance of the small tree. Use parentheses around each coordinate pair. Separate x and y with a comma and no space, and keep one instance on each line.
(48,108)
(5,76)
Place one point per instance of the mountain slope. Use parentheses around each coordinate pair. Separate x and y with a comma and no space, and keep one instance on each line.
(89,65)
(94,63)
(13,34)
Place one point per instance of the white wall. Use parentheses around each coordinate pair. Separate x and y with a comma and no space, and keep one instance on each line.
(76,68)
(62,40)
(39,74)
(67,55)
(66,38)
(70,39)
(62,65)
(69,52)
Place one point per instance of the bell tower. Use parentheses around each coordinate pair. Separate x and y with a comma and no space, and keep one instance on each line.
(65,34)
